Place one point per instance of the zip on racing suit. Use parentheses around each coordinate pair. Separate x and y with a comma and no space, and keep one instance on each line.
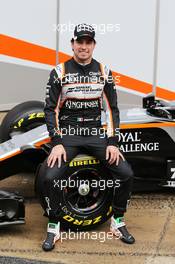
(75,97)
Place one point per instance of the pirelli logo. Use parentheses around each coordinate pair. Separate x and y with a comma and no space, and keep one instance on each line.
(83,162)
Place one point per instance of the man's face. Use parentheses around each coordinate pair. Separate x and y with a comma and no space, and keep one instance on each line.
(83,48)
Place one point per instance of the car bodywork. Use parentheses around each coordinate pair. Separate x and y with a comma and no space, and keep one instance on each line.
(147,139)
(12,210)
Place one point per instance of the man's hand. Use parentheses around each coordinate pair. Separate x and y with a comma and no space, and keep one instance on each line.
(56,154)
(113,154)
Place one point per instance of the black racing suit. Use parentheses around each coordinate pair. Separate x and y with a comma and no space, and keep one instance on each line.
(76,95)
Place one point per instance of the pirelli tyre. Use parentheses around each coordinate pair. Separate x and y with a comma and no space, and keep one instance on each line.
(22,118)
(84,195)
(83,206)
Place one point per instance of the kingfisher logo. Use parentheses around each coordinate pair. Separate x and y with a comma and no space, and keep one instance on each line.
(81,104)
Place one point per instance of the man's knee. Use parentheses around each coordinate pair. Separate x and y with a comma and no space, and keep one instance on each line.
(129,172)
(123,171)
(47,174)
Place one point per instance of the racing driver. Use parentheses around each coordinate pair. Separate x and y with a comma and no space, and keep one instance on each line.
(77,92)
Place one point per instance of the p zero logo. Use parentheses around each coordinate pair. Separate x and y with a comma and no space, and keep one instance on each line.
(173,173)
(27,118)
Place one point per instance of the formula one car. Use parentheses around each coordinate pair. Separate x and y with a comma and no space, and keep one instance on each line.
(147,139)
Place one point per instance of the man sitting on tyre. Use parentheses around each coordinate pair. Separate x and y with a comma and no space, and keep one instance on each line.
(76,93)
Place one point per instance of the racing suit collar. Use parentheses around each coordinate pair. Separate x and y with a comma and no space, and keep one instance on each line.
(86,66)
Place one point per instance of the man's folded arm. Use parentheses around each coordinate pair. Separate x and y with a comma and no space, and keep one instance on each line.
(51,108)
(112,111)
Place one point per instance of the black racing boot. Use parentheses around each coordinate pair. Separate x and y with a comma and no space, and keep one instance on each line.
(118,228)
(53,234)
